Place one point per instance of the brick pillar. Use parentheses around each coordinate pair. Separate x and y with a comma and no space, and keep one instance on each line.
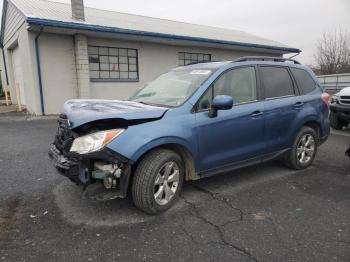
(82,66)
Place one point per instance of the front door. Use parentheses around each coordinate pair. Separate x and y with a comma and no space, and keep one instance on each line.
(236,134)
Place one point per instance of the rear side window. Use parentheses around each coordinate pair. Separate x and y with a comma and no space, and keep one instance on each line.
(305,83)
(277,82)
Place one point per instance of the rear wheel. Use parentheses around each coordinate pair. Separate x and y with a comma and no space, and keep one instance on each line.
(158,180)
(304,149)
(336,123)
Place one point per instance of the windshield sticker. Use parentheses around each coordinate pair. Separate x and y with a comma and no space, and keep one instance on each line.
(200,72)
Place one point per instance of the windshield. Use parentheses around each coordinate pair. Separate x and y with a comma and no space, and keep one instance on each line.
(173,88)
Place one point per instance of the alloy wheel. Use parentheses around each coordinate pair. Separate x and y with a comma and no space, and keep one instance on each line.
(305,148)
(166,183)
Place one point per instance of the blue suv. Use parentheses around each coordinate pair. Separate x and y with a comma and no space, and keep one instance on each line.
(192,122)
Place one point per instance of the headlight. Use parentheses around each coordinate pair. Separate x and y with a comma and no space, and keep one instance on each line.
(95,141)
(334,99)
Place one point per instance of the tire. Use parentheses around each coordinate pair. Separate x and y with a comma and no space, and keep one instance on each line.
(336,123)
(155,176)
(295,156)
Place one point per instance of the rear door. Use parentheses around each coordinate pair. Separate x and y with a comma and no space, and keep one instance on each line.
(281,103)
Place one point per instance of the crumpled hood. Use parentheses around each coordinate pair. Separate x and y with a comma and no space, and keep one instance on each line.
(82,111)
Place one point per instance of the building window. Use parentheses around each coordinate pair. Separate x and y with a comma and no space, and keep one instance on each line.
(113,64)
(190,58)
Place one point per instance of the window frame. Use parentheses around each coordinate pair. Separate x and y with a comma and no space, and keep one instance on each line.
(259,94)
(297,81)
(115,80)
(263,89)
(191,53)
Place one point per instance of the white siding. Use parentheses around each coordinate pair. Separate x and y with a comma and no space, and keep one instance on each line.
(14,20)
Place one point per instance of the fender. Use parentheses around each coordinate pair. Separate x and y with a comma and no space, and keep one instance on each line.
(310,118)
(164,141)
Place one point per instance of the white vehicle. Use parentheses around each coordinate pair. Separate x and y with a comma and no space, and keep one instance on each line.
(340,109)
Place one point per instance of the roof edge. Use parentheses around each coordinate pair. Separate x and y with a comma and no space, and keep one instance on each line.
(4,17)
(105,29)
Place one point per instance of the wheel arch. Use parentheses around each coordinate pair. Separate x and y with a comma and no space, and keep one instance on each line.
(312,121)
(314,125)
(178,146)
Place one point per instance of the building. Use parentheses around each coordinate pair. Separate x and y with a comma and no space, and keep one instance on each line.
(58,51)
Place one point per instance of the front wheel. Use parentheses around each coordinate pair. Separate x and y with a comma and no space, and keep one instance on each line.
(157,181)
(304,149)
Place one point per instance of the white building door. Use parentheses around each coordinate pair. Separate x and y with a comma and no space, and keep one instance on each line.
(18,73)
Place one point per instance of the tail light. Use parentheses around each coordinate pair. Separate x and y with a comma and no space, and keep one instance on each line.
(326,98)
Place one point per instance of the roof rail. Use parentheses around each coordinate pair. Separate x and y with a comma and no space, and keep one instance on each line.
(198,62)
(264,58)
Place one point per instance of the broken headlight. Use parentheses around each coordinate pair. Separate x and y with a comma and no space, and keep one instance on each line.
(95,141)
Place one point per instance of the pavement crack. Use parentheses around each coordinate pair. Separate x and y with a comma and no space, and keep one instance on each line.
(218,229)
(222,199)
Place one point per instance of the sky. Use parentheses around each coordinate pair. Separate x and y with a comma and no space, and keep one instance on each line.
(297,23)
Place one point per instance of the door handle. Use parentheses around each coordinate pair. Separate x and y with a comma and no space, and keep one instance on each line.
(298,104)
(256,114)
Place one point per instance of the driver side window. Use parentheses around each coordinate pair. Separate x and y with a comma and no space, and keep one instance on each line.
(238,83)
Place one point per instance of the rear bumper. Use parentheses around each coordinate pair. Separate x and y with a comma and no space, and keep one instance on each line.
(341,111)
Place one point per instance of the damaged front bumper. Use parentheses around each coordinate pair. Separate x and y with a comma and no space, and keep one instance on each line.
(83,169)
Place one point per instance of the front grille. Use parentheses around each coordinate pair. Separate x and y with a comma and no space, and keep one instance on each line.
(345,100)
(64,135)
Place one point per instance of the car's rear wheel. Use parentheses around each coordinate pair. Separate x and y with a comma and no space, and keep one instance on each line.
(336,123)
(158,181)
(304,149)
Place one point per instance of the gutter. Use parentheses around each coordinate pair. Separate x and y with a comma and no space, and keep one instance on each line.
(37,53)
(104,29)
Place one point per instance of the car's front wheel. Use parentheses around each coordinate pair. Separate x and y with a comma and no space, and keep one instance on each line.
(304,149)
(157,181)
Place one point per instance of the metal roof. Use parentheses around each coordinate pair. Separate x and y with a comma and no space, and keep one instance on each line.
(54,14)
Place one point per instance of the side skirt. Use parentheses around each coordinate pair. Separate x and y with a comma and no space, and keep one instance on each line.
(244,163)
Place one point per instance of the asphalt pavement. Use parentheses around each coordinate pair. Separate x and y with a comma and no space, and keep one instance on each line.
(261,213)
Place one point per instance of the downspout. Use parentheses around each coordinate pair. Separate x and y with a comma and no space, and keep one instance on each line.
(39,70)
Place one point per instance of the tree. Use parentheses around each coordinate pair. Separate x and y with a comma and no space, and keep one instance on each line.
(333,53)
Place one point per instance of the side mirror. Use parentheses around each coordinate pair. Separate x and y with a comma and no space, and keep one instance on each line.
(220,102)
